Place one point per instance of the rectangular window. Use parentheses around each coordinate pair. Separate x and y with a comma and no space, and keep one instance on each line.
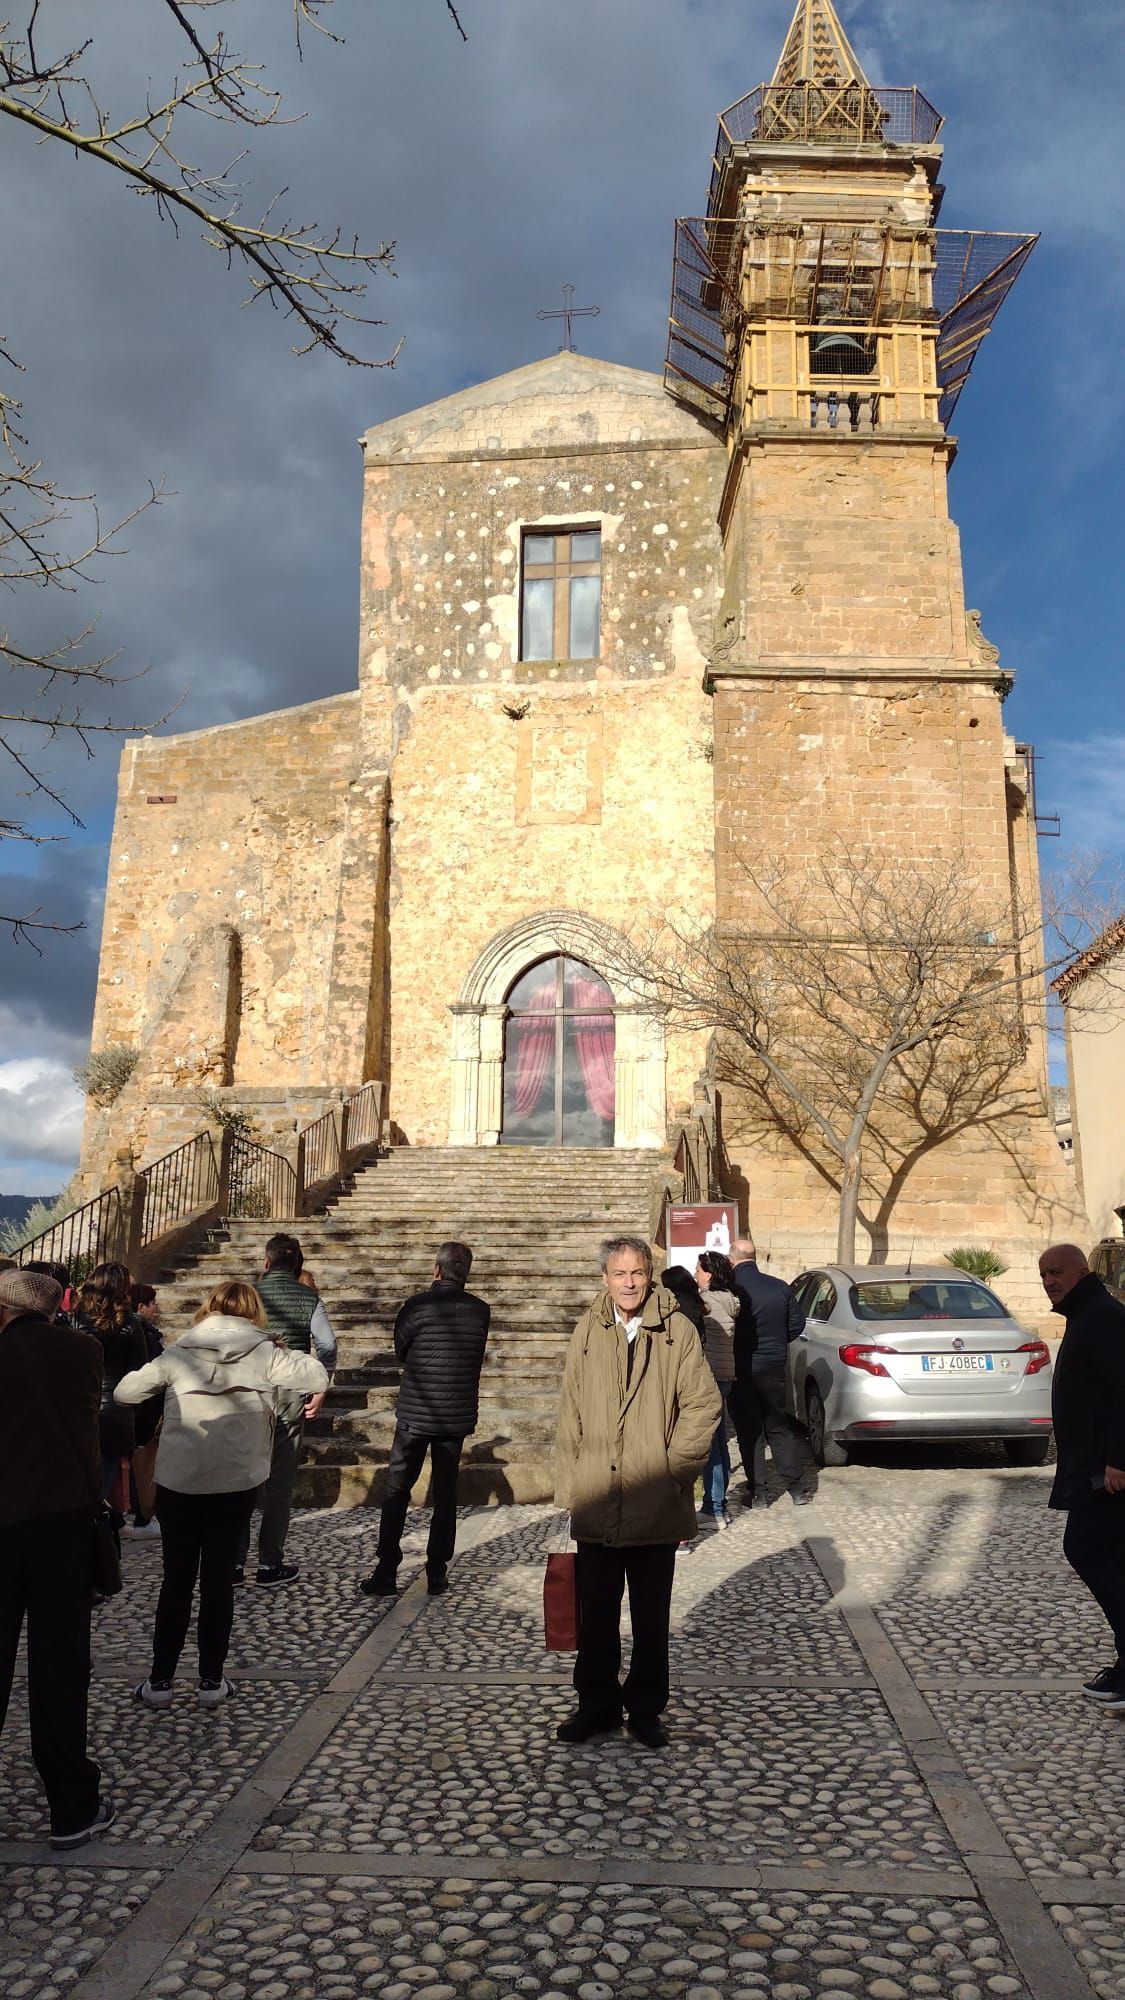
(560,614)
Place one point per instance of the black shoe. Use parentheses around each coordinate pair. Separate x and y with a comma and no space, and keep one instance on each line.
(579,1728)
(648,1730)
(747,1496)
(1107,1686)
(272,1576)
(800,1497)
(102,1820)
(239,1576)
(381,1583)
(437,1582)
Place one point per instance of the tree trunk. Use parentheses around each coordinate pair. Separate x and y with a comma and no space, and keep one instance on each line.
(850,1181)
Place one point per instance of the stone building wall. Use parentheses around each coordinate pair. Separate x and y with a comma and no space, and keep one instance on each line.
(239,931)
(521,787)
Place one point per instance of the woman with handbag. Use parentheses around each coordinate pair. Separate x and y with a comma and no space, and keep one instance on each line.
(221,1381)
(103,1309)
(715,1277)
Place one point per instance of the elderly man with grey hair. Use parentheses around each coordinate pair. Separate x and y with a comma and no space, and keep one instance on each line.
(638,1412)
(50,1483)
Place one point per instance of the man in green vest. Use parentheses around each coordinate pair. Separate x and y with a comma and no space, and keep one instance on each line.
(297,1318)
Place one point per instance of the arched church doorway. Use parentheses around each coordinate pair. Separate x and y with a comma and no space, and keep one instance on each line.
(592,1032)
(559,1041)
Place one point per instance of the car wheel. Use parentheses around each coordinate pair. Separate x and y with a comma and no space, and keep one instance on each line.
(1026,1451)
(826,1449)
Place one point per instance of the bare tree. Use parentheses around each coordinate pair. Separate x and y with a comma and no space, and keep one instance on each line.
(170,149)
(864,1013)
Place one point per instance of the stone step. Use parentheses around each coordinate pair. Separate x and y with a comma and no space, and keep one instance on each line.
(534,1218)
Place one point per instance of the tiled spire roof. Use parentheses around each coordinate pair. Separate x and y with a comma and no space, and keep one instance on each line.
(817,49)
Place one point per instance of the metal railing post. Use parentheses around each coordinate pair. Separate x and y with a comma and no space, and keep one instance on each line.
(134,1220)
(223,1195)
(299,1190)
(345,1122)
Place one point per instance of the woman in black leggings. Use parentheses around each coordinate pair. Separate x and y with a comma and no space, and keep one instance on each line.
(221,1381)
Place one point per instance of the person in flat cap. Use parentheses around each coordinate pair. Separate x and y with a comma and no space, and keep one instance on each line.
(50,1475)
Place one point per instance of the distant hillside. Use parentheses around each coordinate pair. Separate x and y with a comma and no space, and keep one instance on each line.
(17,1207)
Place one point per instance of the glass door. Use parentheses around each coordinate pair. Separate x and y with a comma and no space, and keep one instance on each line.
(559,1057)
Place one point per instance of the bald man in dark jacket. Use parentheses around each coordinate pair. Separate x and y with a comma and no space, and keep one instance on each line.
(1088,1410)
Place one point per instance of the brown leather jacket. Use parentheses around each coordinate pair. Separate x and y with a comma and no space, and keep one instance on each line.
(628,1452)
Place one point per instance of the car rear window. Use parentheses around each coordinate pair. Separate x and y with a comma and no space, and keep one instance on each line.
(908,1298)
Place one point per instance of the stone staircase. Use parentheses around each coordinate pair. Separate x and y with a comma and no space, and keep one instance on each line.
(534,1219)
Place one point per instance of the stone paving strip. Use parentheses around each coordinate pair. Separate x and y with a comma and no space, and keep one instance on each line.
(338,1939)
(843,1810)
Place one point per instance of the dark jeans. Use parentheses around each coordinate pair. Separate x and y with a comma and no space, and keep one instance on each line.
(1094,1546)
(759,1416)
(199,1537)
(716,1472)
(45,1577)
(602,1575)
(408,1455)
(275,1495)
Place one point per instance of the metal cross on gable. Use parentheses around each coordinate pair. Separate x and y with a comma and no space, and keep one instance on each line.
(567,312)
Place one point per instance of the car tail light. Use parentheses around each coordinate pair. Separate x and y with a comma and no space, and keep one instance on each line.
(867,1358)
(1039,1356)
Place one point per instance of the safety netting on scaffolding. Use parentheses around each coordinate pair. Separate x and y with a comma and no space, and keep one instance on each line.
(728,275)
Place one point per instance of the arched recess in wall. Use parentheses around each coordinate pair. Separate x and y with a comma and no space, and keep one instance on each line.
(478,1020)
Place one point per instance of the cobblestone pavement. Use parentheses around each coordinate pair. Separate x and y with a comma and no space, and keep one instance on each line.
(883,1781)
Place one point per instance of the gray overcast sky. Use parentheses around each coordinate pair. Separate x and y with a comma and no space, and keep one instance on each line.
(557,145)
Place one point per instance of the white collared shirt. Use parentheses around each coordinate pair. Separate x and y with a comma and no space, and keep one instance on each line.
(632,1326)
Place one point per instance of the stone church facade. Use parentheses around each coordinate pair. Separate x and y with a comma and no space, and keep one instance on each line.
(617,631)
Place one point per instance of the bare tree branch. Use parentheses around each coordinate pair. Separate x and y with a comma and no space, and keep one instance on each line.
(864,1016)
(315,276)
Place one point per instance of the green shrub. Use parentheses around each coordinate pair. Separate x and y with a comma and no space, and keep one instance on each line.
(226,1116)
(978,1262)
(104,1076)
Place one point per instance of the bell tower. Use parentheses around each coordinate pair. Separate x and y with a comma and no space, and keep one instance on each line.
(824,325)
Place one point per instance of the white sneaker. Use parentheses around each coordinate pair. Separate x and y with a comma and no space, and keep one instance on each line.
(150,1532)
(154,1694)
(211,1693)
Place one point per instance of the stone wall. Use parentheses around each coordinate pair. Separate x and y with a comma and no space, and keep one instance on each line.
(240,923)
(525,787)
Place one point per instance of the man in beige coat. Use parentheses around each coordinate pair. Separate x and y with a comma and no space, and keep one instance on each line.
(638,1412)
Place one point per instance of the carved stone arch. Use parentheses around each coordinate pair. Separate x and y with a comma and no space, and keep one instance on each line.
(479,1013)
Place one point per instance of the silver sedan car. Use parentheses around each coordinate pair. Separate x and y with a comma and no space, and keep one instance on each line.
(891,1353)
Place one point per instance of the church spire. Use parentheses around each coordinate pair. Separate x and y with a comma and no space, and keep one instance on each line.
(817,49)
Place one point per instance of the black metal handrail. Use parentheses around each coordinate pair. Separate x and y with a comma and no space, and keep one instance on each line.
(90,1235)
(319,1154)
(177,1185)
(262,1182)
(365,1116)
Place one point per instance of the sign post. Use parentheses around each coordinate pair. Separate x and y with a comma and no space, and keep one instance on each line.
(691,1228)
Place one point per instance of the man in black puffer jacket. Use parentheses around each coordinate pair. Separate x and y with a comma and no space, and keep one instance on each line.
(1088,1408)
(440,1338)
(769,1318)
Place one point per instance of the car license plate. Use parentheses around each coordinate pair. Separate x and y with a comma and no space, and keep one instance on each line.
(957,1364)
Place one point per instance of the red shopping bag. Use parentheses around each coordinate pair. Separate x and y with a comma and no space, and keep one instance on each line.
(560,1604)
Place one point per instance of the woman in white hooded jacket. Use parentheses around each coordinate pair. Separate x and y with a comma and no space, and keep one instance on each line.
(220,1383)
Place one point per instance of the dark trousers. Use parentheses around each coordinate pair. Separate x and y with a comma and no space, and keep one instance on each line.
(602,1575)
(275,1496)
(199,1538)
(759,1415)
(408,1455)
(1094,1546)
(45,1577)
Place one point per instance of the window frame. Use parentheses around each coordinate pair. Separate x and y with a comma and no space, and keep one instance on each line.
(559,573)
